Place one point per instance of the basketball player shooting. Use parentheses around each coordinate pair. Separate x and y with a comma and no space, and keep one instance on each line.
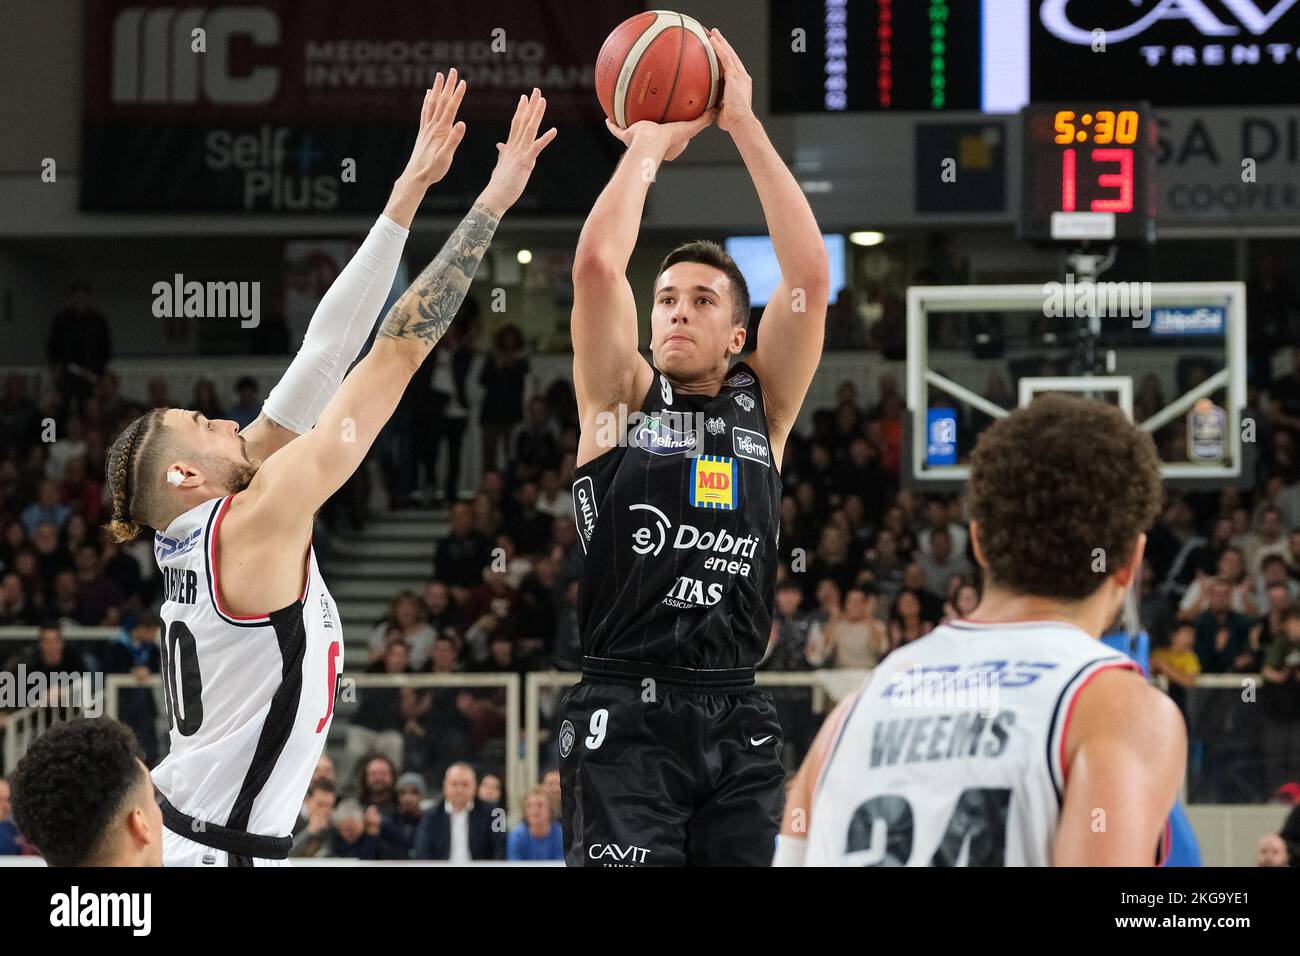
(1015,737)
(252,644)
(669,754)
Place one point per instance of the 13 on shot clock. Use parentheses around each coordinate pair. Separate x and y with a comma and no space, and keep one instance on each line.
(1088,171)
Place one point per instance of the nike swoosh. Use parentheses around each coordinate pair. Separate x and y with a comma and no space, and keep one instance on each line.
(759,741)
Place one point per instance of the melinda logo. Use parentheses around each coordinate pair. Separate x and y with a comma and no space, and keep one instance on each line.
(1055,16)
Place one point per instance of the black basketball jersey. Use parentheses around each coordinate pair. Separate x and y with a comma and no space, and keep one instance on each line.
(678,524)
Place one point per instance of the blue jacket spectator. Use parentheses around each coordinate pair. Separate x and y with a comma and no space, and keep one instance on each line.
(538,837)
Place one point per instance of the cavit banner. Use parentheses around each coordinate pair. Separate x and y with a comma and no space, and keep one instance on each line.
(1169,52)
(264,107)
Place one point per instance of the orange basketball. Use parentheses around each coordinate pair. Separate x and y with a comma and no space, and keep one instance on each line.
(656,66)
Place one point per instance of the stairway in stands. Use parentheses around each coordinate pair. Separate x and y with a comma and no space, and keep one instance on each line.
(364,570)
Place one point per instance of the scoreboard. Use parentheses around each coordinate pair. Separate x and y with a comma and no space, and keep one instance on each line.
(1088,171)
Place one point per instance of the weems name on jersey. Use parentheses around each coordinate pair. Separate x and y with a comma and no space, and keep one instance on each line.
(180,585)
(940,737)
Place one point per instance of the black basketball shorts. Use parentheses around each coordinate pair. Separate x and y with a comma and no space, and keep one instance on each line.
(665,766)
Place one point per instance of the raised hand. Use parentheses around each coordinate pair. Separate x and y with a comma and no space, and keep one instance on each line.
(518,154)
(440,132)
(737,87)
(669,140)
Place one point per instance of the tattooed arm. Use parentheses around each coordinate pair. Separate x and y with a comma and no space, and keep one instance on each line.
(303,475)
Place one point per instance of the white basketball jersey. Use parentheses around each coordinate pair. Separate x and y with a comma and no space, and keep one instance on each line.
(951,750)
(249,699)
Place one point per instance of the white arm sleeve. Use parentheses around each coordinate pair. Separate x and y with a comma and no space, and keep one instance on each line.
(339,327)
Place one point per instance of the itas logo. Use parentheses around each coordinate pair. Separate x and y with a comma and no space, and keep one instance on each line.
(692,592)
(713,482)
(166,548)
(155,59)
(751,445)
(658,437)
(584,510)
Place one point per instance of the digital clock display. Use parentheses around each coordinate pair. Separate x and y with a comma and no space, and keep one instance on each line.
(1087,172)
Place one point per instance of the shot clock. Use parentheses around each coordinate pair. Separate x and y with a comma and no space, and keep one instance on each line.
(1088,171)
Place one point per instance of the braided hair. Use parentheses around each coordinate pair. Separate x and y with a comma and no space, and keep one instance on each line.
(121,465)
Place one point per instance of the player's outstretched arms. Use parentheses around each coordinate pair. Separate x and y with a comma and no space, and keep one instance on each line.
(794,321)
(1125,751)
(606,363)
(346,314)
(300,478)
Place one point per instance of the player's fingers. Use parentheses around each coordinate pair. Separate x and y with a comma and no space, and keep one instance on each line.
(521,109)
(535,113)
(544,141)
(618,134)
(453,104)
(720,52)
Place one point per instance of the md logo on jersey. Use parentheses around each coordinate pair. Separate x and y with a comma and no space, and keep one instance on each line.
(166,548)
(713,482)
(659,438)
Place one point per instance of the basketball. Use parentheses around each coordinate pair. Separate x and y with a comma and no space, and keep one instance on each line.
(656,66)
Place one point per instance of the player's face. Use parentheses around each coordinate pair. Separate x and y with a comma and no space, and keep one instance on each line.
(153,817)
(691,332)
(210,437)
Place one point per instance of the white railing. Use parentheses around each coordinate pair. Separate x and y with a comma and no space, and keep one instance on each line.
(21,727)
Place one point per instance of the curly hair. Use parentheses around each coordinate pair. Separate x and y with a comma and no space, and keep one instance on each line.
(76,777)
(1051,484)
(137,451)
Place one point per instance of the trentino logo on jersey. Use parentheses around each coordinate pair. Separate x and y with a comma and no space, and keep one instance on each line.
(713,482)
(584,509)
(751,445)
(165,548)
(658,437)
(738,380)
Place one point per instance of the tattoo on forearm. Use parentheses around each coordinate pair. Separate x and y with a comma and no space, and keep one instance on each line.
(426,308)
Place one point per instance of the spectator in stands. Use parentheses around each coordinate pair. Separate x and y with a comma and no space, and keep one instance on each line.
(535,441)
(135,651)
(941,562)
(937,517)
(907,622)
(355,833)
(313,831)
(1231,568)
(15,609)
(462,554)
(84,495)
(324,770)
(566,550)
(444,721)
(1272,851)
(965,600)
(97,597)
(378,776)
(854,638)
(10,839)
(538,835)
(48,508)
(1222,634)
(527,525)
(248,403)
(406,619)
(490,789)
(1267,540)
(440,611)
(504,378)
(378,723)
(787,648)
(78,346)
(1199,554)
(19,416)
(920,584)
(398,829)
(1273,570)
(553,499)
(886,565)
(1178,663)
(551,785)
(69,445)
(449,382)
(1280,699)
(832,559)
(458,828)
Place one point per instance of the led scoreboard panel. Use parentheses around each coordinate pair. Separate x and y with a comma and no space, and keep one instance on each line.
(1088,171)
(861,55)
